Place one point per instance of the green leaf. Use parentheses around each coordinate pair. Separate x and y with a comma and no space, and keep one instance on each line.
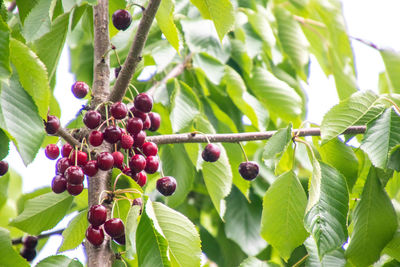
(37,22)
(74,234)
(374,221)
(213,68)
(5,69)
(182,236)
(334,258)
(130,230)
(254,262)
(349,112)
(21,119)
(165,20)
(218,179)
(9,257)
(276,95)
(43,212)
(77,15)
(22,200)
(32,75)
(220,12)
(259,22)
(25,7)
(185,107)
(381,137)
(59,261)
(49,46)
(393,247)
(282,216)
(245,102)
(326,213)
(176,163)
(276,146)
(243,222)
(4,189)
(337,154)
(4,140)
(391,59)
(292,39)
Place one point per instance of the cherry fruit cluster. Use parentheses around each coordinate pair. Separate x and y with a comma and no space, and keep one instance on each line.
(28,250)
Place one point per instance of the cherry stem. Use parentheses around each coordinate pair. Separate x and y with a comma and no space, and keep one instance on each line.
(134,88)
(297,139)
(76,156)
(107,119)
(205,135)
(116,55)
(101,125)
(244,152)
(116,180)
(123,191)
(101,193)
(392,102)
(161,170)
(132,96)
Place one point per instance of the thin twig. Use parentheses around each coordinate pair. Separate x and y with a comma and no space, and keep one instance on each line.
(64,134)
(135,53)
(17,241)
(309,21)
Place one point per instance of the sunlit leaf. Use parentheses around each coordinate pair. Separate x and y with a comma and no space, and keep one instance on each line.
(165,20)
(9,257)
(5,69)
(74,234)
(392,64)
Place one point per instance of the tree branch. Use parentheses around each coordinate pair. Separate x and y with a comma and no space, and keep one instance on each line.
(17,241)
(238,137)
(135,53)
(64,134)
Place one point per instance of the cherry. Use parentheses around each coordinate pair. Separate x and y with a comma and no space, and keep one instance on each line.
(118,159)
(3,167)
(127,171)
(248,170)
(112,134)
(118,110)
(96,138)
(74,189)
(52,125)
(166,185)
(126,141)
(140,178)
(155,120)
(66,150)
(52,151)
(95,235)
(137,163)
(138,114)
(121,19)
(105,161)
(134,125)
(59,184)
(61,165)
(146,123)
(114,227)
(151,164)
(97,215)
(74,175)
(92,119)
(143,102)
(120,240)
(211,153)
(79,157)
(139,139)
(117,70)
(150,149)
(30,241)
(80,89)
(28,254)
(90,168)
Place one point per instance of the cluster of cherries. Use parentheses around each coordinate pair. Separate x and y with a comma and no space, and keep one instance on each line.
(28,250)
(3,167)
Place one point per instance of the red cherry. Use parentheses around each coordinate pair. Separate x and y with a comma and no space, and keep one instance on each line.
(118,110)
(114,227)
(59,184)
(118,159)
(166,185)
(150,149)
(74,189)
(138,114)
(95,138)
(52,151)
(137,163)
(66,150)
(95,235)
(146,123)
(30,241)
(248,170)
(139,139)
(3,167)
(92,119)
(155,120)
(121,19)
(52,125)
(28,254)
(143,102)
(112,134)
(211,153)
(90,168)
(120,240)
(61,165)
(151,164)
(134,125)
(140,178)
(78,157)
(74,175)
(105,161)
(97,215)
(80,89)
(126,141)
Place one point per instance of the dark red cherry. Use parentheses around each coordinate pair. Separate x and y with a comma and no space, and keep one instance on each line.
(127,171)
(28,254)
(118,110)
(248,170)
(166,185)
(97,215)
(121,19)
(143,102)
(126,141)
(74,175)
(118,159)
(211,153)
(95,235)
(59,184)
(134,125)
(30,241)
(3,167)
(78,157)
(90,168)
(96,138)
(92,119)
(117,71)
(150,149)
(151,164)
(52,151)
(61,165)
(105,161)
(66,150)
(80,89)
(146,123)
(52,125)
(140,178)
(120,240)
(155,121)
(137,163)
(114,227)
(138,114)
(112,134)
(74,189)
(139,138)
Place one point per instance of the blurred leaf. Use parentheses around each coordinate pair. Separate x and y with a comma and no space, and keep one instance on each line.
(21,119)
(349,112)
(176,163)
(239,54)
(25,7)
(259,22)
(374,221)
(77,15)
(59,261)
(276,146)
(392,64)
(74,233)
(130,230)
(165,20)
(5,69)
(4,141)
(43,212)
(334,258)
(326,213)
(282,218)
(36,84)
(37,21)
(213,68)
(276,95)
(9,257)
(4,189)
(393,247)
(254,262)
(381,137)
(221,12)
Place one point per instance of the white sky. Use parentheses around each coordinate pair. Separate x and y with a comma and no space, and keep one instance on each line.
(372,20)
